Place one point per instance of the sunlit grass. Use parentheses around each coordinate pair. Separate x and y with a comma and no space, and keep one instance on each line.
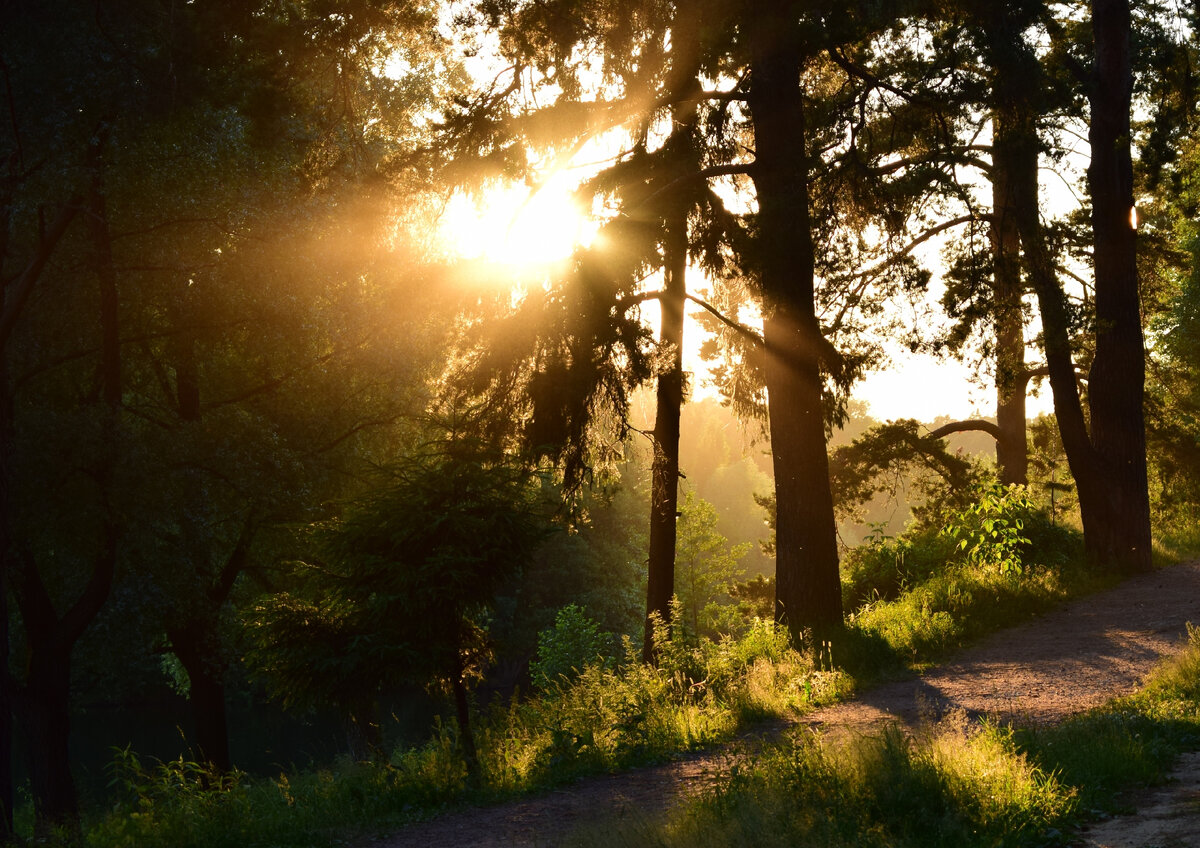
(960,783)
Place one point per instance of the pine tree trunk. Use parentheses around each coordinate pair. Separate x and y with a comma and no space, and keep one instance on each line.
(1116,385)
(1106,454)
(1012,449)
(462,709)
(808,590)
(664,491)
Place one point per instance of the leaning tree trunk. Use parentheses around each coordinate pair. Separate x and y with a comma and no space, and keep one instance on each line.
(1107,459)
(808,591)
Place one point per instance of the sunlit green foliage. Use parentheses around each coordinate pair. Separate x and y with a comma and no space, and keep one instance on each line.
(570,646)
(989,533)
(706,568)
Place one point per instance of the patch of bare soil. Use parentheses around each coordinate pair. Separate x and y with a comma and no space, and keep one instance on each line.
(1075,658)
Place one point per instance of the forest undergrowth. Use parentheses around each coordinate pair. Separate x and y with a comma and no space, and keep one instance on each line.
(592,709)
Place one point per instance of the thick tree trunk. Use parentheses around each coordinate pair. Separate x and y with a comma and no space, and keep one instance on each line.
(1109,462)
(45,696)
(1012,449)
(191,643)
(13,297)
(808,591)
(1116,385)
(45,710)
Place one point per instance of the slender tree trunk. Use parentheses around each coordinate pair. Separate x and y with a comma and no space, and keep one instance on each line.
(7,552)
(1116,386)
(462,709)
(364,736)
(664,490)
(194,638)
(7,435)
(808,591)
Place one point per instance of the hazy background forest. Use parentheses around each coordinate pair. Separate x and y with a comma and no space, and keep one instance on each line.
(380,381)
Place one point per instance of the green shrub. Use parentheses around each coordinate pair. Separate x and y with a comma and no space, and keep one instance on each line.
(564,650)
(989,532)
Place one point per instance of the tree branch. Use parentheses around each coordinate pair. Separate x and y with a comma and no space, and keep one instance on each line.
(749,333)
(28,278)
(974,424)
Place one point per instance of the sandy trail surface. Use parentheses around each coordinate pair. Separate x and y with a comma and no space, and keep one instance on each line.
(1074,658)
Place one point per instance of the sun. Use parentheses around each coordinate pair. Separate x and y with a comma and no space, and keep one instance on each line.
(516,226)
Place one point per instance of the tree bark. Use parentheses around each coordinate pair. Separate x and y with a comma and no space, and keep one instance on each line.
(191,645)
(7,553)
(1106,454)
(664,489)
(13,297)
(45,695)
(1116,384)
(44,707)
(1012,448)
(194,636)
(808,590)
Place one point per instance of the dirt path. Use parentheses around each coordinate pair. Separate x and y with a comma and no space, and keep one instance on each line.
(1075,658)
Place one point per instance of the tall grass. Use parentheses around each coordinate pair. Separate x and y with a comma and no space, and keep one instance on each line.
(961,783)
(610,716)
